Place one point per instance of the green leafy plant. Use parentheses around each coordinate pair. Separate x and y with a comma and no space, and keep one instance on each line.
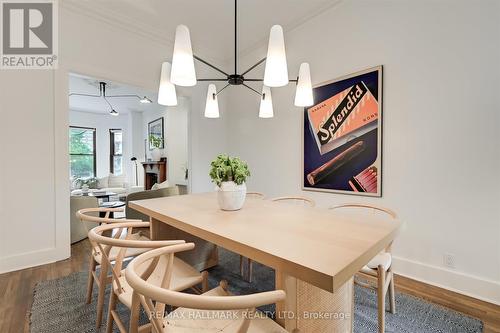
(155,141)
(91,182)
(225,168)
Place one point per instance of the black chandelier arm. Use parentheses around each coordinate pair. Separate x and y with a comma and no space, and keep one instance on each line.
(261,80)
(208,80)
(257,64)
(227,85)
(252,89)
(236,37)
(210,65)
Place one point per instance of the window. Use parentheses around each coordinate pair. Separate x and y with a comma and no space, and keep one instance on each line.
(116,151)
(82,152)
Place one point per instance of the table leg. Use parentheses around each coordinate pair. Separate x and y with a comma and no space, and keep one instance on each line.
(311,309)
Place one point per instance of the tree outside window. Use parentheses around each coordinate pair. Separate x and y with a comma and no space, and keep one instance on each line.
(82,152)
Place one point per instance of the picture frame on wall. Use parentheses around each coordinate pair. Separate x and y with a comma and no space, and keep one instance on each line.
(342,135)
(156,129)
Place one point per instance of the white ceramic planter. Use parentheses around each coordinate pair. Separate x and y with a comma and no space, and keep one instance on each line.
(231,196)
(156,154)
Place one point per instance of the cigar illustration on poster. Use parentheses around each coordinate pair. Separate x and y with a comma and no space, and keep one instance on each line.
(342,135)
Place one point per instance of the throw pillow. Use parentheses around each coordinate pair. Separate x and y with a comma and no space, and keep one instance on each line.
(75,183)
(115,181)
(102,182)
(92,182)
(157,186)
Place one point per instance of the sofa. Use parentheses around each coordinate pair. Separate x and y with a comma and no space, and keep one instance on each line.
(111,183)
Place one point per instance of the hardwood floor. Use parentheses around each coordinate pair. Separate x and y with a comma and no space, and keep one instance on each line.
(16,288)
(488,313)
(16,293)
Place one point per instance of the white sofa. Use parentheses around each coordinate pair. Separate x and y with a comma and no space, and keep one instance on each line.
(111,183)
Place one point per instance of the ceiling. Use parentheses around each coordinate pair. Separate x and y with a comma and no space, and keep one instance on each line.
(87,85)
(211,22)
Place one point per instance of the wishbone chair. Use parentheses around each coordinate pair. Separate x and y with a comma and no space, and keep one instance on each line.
(379,267)
(183,276)
(208,312)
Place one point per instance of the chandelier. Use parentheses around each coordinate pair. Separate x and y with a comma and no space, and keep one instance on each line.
(182,73)
(104,96)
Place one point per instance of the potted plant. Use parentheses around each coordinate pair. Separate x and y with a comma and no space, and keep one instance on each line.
(156,143)
(229,174)
(85,184)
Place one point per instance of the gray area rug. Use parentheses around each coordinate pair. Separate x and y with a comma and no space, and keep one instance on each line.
(59,305)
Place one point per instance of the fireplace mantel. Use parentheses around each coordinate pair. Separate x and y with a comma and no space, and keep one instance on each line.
(154,172)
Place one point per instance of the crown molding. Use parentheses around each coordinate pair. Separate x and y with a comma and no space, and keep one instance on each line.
(148,31)
(118,21)
(300,21)
(129,24)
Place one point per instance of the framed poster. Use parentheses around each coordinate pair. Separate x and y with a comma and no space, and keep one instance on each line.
(155,129)
(342,135)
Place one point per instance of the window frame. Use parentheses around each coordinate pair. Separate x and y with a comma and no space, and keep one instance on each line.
(94,147)
(112,154)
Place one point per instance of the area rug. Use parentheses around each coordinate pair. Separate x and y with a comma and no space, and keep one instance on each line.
(59,305)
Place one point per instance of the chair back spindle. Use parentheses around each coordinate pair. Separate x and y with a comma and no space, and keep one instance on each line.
(151,294)
(295,200)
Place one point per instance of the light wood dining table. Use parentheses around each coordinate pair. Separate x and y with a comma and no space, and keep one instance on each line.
(315,252)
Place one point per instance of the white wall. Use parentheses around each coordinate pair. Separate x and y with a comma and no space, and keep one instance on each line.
(175,128)
(103,123)
(177,141)
(441,125)
(34,109)
(27,180)
(136,147)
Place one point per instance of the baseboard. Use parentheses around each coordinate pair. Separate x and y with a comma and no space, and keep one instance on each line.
(31,259)
(469,285)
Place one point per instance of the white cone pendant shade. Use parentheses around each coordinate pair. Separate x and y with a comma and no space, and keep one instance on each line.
(304,94)
(266,103)
(183,72)
(166,92)
(276,72)
(212,105)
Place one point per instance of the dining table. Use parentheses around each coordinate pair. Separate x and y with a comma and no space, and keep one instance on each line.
(314,251)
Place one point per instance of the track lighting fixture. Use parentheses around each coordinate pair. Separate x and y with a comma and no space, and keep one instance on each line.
(104,96)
